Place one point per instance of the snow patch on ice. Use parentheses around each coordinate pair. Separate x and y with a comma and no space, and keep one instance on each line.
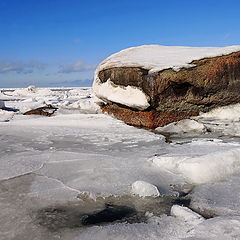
(209,167)
(144,189)
(128,96)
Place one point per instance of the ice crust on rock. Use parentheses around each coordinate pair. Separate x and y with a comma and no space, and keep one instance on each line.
(144,189)
(128,96)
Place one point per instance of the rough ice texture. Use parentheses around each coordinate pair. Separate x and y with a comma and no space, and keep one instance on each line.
(216,199)
(206,78)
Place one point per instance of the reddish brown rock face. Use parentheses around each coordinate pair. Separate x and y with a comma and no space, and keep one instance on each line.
(148,119)
(213,82)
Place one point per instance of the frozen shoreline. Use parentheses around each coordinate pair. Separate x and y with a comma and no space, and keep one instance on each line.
(50,161)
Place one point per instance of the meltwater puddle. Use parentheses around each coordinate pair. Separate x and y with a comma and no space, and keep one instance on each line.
(101,211)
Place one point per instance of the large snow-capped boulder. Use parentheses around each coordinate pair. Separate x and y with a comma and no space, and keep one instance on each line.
(154,85)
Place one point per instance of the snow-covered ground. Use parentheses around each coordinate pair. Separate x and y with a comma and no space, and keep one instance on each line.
(56,170)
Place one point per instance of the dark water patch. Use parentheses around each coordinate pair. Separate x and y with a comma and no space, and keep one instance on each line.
(111,213)
(9,109)
(183,202)
(101,211)
(61,217)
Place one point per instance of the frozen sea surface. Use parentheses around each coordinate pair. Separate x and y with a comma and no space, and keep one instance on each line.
(58,171)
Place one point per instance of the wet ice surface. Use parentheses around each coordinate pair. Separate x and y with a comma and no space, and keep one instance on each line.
(71,176)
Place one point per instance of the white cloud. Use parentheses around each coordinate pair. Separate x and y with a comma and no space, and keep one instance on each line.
(20,67)
(78,66)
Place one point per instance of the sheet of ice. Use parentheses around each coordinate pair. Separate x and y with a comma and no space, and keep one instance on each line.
(77,149)
(128,96)
(47,162)
(164,228)
(22,197)
(220,228)
(169,228)
(50,190)
(214,199)
(202,162)
(156,57)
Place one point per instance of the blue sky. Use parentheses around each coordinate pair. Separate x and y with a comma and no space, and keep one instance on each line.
(60,42)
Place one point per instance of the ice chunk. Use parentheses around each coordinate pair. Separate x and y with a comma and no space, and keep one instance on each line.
(186,214)
(183,126)
(144,189)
